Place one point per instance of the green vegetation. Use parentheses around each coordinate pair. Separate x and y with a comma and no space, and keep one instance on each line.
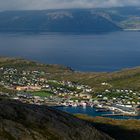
(22,64)
(131,24)
(5,90)
(42,93)
(125,79)
(20,121)
(118,129)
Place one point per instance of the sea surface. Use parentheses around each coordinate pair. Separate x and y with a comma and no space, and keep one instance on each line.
(90,111)
(102,52)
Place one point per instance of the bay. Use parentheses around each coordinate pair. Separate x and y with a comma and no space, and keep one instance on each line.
(91,111)
(90,52)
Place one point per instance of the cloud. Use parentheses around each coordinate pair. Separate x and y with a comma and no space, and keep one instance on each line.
(57,4)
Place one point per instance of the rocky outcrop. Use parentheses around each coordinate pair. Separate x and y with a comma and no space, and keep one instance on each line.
(20,121)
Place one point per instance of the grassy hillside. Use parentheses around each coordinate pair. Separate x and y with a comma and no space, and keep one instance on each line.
(125,79)
(118,129)
(22,64)
(46,123)
(32,122)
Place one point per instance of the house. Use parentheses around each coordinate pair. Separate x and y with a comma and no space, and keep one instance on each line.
(85,96)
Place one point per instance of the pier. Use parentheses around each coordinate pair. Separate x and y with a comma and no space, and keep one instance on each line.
(108,115)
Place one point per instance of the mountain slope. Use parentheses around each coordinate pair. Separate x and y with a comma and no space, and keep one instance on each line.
(125,17)
(56,21)
(31,122)
(97,20)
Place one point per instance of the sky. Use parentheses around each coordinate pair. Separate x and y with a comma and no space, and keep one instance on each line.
(58,4)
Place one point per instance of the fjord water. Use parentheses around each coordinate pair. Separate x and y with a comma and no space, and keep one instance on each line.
(91,111)
(102,52)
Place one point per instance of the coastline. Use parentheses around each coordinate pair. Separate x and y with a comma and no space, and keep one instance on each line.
(91,111)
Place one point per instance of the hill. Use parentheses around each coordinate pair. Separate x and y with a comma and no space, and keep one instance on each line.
(97,20)
(18,120)
(32,122)
(125,17)
(118,129)
(123,79)
(74,20)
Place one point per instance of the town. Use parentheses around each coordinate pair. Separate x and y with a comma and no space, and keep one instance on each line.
(33,87)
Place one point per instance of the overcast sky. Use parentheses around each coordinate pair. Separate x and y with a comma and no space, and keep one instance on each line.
(55,4)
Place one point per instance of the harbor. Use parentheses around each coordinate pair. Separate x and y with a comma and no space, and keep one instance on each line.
(92,111)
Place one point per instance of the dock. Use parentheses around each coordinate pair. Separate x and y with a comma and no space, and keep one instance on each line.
(108,115)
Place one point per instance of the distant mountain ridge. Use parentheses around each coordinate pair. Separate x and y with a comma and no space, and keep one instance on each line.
(56,21)
(98,20)
(125,17)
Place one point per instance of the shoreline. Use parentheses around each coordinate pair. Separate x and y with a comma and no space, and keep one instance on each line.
(135,30)
(102,115)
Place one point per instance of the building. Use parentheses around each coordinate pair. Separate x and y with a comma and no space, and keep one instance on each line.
(28,88)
